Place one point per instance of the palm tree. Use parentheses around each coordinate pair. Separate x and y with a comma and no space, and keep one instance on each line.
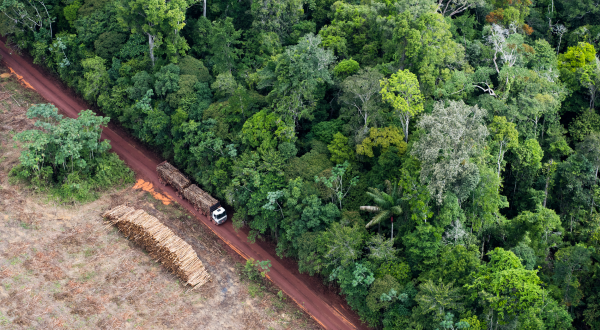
(387,204)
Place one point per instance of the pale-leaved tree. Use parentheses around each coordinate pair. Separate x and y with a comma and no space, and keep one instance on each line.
(451,8)
(32,14)
(454,134)
(361,95)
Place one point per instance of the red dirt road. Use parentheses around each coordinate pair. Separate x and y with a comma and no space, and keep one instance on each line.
(324,306)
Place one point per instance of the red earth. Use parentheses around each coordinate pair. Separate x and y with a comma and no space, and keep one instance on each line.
(321,302)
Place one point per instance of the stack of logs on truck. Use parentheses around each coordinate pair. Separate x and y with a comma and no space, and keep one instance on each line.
(202,201)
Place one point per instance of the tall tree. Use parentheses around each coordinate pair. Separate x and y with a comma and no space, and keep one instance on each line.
(337,184)
(439,298)
(505,288)
(33,15)
(572,262)
(504,136)
(160,20)
(451,8)
(361,95)
(590,148)
(402,91)
(454,134)
(223,39)
(278,16)
(296,76)
(590,79)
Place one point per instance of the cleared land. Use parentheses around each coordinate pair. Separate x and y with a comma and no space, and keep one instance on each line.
(62,267)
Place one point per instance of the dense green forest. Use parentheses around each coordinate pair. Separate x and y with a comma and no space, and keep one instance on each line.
(435,159)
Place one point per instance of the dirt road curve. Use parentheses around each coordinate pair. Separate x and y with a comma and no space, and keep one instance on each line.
(327,310)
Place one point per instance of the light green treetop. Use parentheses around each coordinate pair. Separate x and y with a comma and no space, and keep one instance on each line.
(507,289)
(402,91)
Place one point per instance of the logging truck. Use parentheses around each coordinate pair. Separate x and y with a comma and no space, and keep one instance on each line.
(201,200)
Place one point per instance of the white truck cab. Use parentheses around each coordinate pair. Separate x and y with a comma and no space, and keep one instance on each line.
(219,215)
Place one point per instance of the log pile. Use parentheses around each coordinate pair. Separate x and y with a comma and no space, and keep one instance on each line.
(160,242)
(171,175)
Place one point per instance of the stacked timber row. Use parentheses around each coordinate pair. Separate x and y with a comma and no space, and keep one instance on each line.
(201,200)
(160,242)
(171,175)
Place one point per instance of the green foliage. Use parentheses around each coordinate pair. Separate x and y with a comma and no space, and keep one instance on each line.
(66,155)
(571,264)
(505,287)
(276,16)
(378,297)
(526,254)
(346,68)
(109,43)
(577,57)
(448,323)
(336,183)
(295,77)
(422,246)
(166,80)
(160,21)
(527,160)
(438,299)
(388,203)
(95,77)
(398,270)
(584,124)
(222,41)
(264,129)
(539,227)
(344,244)
(191,66)
(456,265)
(454,135)
(326,130)
(505,137)
(70,11)
(31,16)
(339,149)
(224,85)
(312,249)
(402,91)
(361,99)
(382,138)
(254,269)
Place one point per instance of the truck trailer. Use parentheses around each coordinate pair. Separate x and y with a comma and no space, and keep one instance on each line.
(205,203)
(202,201)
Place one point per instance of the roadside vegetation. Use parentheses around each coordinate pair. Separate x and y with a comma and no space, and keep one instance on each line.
(437,161)
(65,158)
